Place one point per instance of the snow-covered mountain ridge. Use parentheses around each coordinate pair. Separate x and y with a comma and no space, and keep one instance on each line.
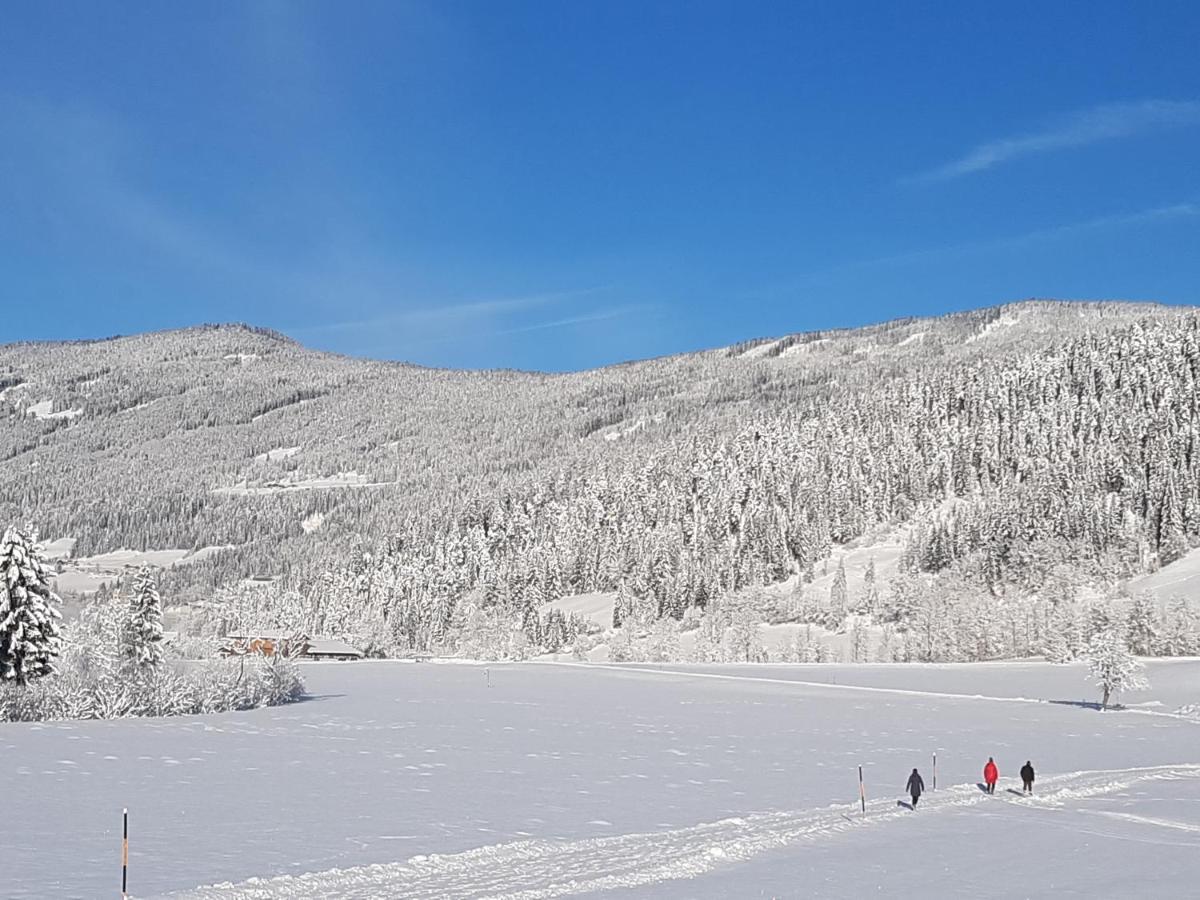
(686,478)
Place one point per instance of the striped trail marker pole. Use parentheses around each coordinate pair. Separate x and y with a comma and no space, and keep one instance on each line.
(935,770)
(862,791)
(124,853)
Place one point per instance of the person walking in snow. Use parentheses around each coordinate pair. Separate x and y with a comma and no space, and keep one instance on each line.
(915,787)
(991,774)
(1027,777)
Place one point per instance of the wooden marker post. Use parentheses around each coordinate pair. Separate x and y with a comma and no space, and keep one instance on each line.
(124,853)
(935,770)
(862,791)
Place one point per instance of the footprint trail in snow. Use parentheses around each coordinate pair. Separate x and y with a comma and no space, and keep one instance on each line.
(535,869)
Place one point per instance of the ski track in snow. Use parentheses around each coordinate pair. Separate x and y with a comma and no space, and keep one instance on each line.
(537,869)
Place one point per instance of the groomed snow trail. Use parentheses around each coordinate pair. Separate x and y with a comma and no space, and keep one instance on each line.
(536,869)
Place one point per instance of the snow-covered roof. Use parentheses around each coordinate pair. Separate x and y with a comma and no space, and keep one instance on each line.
(332,647)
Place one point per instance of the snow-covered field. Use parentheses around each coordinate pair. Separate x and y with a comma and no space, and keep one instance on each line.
(421,780)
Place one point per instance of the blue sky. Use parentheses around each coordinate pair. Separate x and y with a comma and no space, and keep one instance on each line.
(558,185)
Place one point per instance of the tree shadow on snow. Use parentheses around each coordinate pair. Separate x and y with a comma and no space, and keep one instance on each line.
(1086,704)
(317,698)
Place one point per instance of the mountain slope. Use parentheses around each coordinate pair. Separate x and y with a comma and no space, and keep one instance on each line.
(226,435)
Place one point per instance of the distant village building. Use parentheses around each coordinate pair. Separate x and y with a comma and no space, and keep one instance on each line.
(290,646)
(331,648)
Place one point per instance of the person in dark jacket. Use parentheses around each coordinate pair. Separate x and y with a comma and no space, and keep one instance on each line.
(1027,777)
(915,787)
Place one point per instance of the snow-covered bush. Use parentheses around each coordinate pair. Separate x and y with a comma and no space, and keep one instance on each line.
(171,689)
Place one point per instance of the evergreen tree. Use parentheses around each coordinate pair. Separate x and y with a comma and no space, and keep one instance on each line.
(858,642)
(838,597)
(1113,666)
(709,636)
(1143,626)
(144,632)
(1181,631)
(620,646)
(744,639)
(29,630)
(870,588)
(1099,620)
(622,605)
(794,606)
(1058,646)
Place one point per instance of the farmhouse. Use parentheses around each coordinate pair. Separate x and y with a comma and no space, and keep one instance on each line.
(295,646)
(331,648)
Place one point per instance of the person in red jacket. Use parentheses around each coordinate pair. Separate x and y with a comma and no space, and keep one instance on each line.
(991,774)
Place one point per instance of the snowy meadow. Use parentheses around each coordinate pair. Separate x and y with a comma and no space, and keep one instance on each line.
(543,780)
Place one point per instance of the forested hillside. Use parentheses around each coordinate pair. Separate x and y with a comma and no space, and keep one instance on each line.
(1017,448)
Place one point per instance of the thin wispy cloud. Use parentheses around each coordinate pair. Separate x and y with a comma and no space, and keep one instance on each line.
(1106,122)
(597,316)
(431,316)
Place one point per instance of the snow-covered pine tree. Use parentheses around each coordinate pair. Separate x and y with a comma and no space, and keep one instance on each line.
(29,632)
(793,605)
(1057,646)
(1113,666)
(1180,633)
(839,598)
(1143,626)
(744,638)
(870,601)
(143,631)
(858,641)
(708,646)
(622,605)
(1098,620)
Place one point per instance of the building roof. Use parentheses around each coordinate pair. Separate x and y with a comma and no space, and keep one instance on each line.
(331,647)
